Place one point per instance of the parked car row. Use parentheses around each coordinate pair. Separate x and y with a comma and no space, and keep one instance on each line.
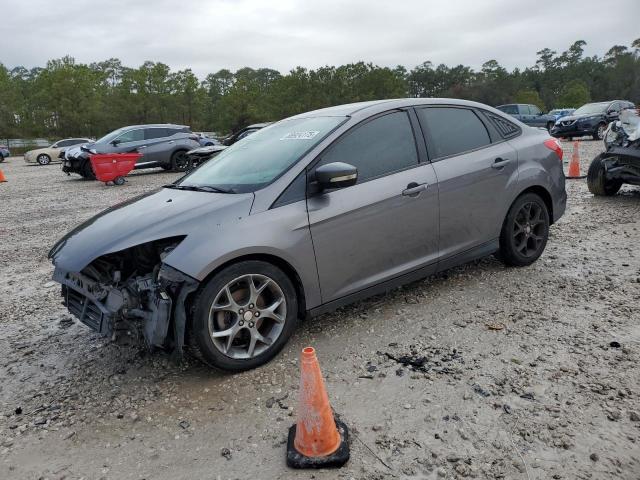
(172,147)
(591,119)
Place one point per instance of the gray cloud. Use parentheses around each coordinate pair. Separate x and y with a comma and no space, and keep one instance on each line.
(209,35)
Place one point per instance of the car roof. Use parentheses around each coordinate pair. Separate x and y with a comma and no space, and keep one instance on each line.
(161,125)
(371,107)
(258,125)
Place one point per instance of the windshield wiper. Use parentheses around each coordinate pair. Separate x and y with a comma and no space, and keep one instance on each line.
(200,188)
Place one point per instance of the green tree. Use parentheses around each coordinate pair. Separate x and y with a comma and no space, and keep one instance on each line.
(531,97)
(574,94)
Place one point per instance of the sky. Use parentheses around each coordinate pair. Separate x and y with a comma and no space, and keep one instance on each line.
(208,35)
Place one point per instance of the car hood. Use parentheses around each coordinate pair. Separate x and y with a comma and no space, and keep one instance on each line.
(211,149)
(577,117)
(161,214)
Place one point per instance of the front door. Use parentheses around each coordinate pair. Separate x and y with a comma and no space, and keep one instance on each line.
(385,225)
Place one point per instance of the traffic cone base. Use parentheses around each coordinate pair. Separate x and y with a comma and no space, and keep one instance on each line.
(317,439)
(295,459)
(2,177)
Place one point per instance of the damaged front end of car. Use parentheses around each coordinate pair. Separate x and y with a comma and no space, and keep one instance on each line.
(131,290)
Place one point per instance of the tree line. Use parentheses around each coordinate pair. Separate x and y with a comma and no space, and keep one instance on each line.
(66,98)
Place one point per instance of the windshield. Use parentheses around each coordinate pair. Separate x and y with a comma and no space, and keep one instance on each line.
(258,159)
(591,108)
(110,136)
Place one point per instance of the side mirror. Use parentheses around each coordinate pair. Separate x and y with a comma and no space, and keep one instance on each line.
(115,142)
(336,175)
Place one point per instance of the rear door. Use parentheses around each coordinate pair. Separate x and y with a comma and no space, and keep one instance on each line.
(536,118)
(387,224)
(155,145)
(476,176)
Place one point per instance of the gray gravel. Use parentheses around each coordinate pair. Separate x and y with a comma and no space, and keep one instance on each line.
(517,373)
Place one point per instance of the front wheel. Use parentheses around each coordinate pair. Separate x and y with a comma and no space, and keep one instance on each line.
(525,231)
(180,161)
(243,316)
(597,181)
(43,159)
(599,133)
(550,126)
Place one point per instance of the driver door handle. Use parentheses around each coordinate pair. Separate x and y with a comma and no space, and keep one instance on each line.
(500,163)
(414,189)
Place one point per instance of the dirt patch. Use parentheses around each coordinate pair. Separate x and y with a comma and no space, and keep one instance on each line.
(483,371)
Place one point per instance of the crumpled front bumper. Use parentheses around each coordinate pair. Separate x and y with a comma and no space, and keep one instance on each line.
(158,304)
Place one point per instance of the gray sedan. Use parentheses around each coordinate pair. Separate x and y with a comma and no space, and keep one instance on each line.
(308,214)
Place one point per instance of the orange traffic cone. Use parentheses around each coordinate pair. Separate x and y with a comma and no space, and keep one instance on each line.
(574,164)
(2,177)
(317,440)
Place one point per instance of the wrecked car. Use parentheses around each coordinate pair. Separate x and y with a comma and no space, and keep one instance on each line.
(308,214)
(620,162)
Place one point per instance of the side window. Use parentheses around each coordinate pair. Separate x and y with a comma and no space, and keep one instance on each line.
(296,191)
(379,147)
(615,107)
(510,109)
(151,133)
(132,136)
(453,130)
(534,110)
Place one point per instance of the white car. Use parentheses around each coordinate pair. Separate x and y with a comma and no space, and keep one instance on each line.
(44,156)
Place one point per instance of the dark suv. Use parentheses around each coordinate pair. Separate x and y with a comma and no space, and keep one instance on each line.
(590,119)
(529,114)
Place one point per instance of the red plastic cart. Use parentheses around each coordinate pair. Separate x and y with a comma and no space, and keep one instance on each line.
(113,167)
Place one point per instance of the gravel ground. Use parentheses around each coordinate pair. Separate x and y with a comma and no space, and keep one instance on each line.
(518,373)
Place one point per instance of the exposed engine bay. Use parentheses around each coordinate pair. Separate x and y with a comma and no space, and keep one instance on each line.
(621,160)
(129,289)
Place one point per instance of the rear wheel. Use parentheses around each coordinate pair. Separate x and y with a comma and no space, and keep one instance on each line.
(597,179)
(180,161)
(550,126)
(525,231)
(243,316)
(43,159)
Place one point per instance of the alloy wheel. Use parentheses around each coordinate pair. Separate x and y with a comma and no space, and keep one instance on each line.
(529,228)
(43,160)
(181,161)
(247,316)
(601,129)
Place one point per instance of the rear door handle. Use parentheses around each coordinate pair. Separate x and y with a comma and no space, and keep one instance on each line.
(500,163)
(414,189)
(171,141)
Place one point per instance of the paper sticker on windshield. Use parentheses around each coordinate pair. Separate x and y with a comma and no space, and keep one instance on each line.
(308,135)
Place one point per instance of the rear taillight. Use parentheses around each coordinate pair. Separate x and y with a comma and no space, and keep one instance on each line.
(554,144)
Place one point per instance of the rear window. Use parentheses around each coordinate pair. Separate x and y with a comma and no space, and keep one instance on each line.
(156,132)
(510,109)
(453,130)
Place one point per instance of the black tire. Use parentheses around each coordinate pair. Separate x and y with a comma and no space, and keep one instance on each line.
(598,134)
(180,161)
(597,179)
(43,159)
(199,340)
(550,126)
(86,171)
(118,181)
(525,231)
(1,158)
